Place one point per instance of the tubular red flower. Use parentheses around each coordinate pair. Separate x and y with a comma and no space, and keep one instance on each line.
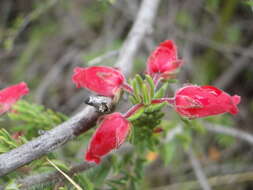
(11,95)
(105,81)
(200,101)
(164,60)
(110,134)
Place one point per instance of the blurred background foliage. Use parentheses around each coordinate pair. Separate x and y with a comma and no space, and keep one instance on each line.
(42,41)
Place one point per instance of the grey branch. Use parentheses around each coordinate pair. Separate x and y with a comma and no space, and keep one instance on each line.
(198,170)
(50,141)
(44,178)
(213,181)
(141,26)
(231,132)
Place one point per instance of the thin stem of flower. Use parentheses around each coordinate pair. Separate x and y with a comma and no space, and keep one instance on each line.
(161,100)
(132,110)
(157,79)
(127,88)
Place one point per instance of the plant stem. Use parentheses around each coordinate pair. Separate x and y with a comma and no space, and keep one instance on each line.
(132,110)
(127,88)
(156,79)
(161,100)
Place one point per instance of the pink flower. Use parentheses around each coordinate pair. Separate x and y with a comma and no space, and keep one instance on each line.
(164,60)
(105,81)
(110,134)
(11,95)
(201,101)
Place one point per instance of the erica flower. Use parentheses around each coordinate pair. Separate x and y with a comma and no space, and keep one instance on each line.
(201,101)
(11,95)
(105,81)
(164,60)
(110,134)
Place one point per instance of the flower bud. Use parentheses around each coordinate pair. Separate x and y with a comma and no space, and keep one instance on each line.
(200,101)
(104,81)
(164,60)
(11,95)
(110,134)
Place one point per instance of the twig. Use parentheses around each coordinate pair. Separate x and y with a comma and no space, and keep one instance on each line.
(51,140)
(32,180)
(65,175)
(44,178)
(213,181)
(230,74)
(230,131)
(198,170)
(101,58)
(54,73)
(31,17)
(142,24)
(224,48)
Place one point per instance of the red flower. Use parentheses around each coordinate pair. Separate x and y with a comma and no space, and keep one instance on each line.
(110,134)
(164,60)
(201,101)
(11,94)
(105,81)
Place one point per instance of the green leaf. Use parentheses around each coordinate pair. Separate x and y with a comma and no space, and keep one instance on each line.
(133,100)
(155,107)
(151,85)
(85,182)
(12,185)
(139,81)
(137,114)
(145,94)
(161,92)
(137,90)
(3,148)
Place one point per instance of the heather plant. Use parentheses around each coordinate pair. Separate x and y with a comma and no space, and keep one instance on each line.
(144,125)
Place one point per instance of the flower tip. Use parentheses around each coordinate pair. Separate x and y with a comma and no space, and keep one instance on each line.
(236,99)
(24,88)
(234,110)
(168,44)
(89,157)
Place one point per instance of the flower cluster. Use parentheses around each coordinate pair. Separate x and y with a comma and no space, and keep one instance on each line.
(190,101)
(11,95)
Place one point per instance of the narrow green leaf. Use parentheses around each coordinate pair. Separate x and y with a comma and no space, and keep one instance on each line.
(151,85)
(137,90)
(133,100)
(161,92)
(137,114)
(139,80)
(155,107)
(3,148)
(85,182)
(145,94)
